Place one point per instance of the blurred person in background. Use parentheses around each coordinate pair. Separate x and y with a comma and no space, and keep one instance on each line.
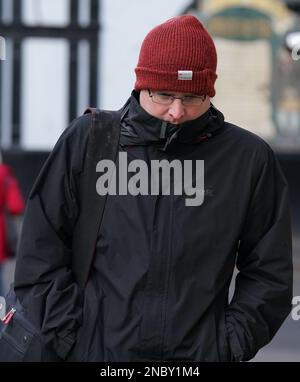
(11,205)
(159,283)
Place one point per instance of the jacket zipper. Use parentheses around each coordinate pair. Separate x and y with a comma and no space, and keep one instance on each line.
(168,271)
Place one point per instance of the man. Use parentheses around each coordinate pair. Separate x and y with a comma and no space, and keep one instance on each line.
(158,287)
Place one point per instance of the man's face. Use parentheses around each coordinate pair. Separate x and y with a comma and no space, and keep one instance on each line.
(176,112)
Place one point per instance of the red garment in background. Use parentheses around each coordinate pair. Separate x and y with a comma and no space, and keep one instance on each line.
(10,199)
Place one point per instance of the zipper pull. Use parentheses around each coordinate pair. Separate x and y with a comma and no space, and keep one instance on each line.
(6,319)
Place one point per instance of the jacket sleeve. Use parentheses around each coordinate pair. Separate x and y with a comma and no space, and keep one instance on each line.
(263,286)
(44,282)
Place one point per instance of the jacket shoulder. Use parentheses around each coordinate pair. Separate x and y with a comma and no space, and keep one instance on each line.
(77,129)
(247,141)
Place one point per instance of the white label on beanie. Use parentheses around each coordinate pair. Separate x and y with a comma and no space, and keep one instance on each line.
(185,74)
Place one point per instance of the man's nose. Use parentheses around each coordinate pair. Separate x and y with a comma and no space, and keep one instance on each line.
(176,109)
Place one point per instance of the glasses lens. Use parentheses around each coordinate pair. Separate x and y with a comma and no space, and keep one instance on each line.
(167,99)
(192,101)
(164,99)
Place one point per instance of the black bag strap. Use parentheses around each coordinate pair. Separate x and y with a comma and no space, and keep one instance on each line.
(103,143)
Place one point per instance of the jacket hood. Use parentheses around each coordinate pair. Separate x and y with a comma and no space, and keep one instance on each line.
(140,128)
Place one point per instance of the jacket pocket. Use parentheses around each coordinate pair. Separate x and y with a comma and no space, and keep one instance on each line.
(9,350)
(20,339)
(19,342)
(89,343)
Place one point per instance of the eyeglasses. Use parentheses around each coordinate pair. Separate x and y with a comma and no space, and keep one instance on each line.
(167,99)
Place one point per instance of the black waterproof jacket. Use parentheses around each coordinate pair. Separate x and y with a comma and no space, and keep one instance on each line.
(158,287)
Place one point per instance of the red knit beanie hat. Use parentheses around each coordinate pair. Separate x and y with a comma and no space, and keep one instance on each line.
(178,55)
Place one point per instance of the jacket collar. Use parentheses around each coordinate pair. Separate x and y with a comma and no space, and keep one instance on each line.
(140,128)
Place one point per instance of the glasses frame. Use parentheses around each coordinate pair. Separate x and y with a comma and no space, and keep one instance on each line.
(172,98)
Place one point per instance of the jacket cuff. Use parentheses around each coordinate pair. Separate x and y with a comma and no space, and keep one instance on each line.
(64,346)
(234,343)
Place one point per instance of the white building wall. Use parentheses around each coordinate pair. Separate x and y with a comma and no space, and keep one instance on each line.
(45,71)
(45,76)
